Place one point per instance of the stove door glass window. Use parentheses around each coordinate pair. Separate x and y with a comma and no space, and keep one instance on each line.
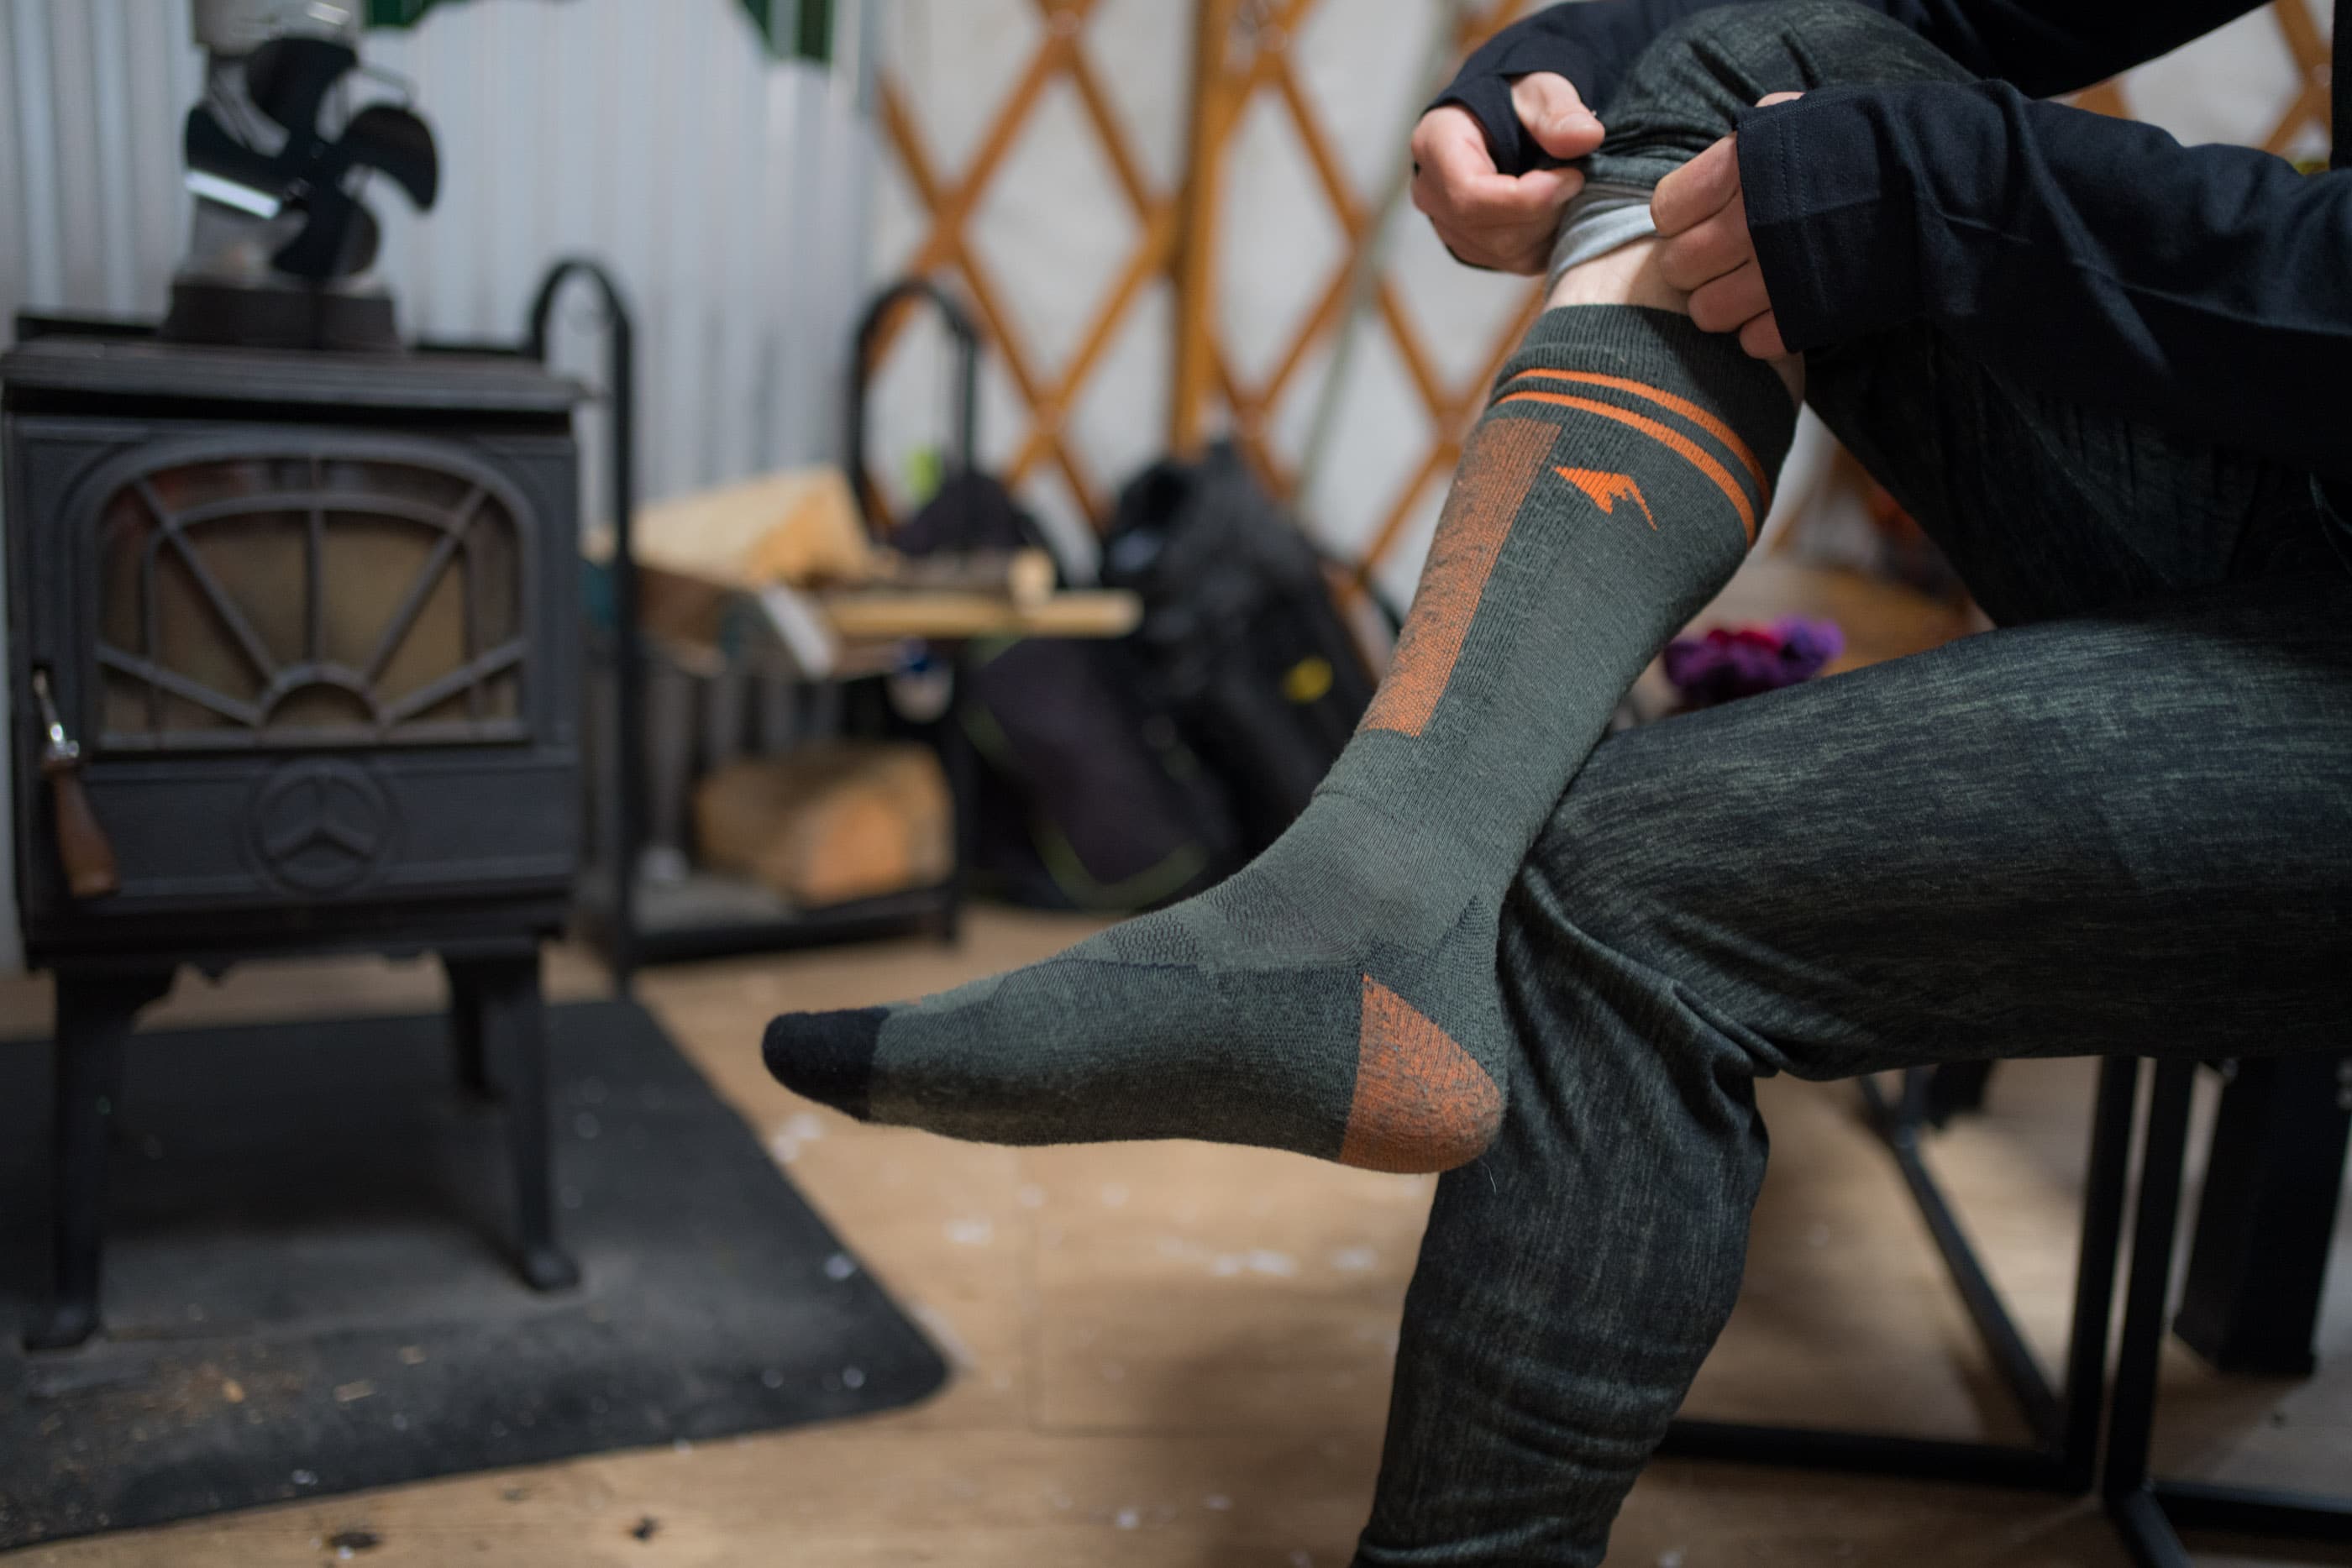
(318,600)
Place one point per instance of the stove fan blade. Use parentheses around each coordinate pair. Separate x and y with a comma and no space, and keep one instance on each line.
(289,81)
(341,227)
(383,136)
(212,150)
(341,239)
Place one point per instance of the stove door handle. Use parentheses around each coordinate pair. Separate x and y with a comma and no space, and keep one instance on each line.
(83,848)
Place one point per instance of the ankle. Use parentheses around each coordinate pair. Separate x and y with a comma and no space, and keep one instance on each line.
(1365,871)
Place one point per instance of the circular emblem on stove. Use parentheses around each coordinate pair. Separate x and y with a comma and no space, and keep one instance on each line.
(320,827)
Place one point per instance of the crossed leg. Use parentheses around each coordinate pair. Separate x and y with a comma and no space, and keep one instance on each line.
(2120,827)
(2125,833)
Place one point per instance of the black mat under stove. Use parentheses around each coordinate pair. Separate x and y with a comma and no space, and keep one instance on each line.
(308,1290)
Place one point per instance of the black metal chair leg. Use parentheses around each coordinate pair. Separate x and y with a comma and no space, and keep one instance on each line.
(514,1026)
(2131,1418)
(2105,1194)
(2149,1512)
(2004,1341)
(2066,1421)
(1955,1088)
(2148,1535)
(2266,1217)
(95,1015)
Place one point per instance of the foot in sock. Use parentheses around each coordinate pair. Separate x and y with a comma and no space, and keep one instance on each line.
(1337,996)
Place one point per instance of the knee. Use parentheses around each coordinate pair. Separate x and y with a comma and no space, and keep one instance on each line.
(1611,983)
(1690,84)
(1581,898)
(1795,45)
(1630,856)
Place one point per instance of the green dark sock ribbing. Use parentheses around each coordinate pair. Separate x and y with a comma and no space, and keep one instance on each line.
(1337,996)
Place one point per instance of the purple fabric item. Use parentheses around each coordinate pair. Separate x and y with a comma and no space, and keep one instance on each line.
(1731,661)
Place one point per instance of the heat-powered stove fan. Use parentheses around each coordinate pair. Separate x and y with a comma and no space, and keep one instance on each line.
(281,243)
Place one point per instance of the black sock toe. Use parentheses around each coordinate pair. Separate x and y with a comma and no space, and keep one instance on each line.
(829,1057)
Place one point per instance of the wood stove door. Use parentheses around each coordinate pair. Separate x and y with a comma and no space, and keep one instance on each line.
(307,668)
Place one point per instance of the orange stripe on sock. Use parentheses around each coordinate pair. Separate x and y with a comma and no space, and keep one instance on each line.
(1496,473)
(1421,1103)
(1681,405)
(1673,440)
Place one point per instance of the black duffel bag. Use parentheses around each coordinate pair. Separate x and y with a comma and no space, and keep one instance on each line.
(1241,641)
(1087,796)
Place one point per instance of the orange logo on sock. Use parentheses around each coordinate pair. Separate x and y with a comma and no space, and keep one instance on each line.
(1608,489)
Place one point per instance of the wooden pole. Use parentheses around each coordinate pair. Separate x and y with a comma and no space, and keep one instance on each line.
(1196,276)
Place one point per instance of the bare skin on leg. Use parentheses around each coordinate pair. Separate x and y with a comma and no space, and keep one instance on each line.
(1630,275)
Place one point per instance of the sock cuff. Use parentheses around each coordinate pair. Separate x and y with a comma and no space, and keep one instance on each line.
(1662,353)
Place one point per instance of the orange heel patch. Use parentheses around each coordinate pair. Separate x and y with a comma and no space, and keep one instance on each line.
(1422,1103)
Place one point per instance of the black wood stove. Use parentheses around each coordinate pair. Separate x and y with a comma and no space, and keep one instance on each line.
(293,643)
(293,622)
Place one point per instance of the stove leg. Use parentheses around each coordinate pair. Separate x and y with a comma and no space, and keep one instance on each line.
(512,1025)
(466,1030)
(95,1014)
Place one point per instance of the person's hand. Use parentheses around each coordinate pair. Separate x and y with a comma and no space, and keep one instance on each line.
(1706,251)
(1485,217)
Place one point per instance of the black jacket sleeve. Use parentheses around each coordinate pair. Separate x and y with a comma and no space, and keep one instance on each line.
(2043,46)
(2206,289)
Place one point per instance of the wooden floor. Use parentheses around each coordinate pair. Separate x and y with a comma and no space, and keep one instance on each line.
(1176,1356)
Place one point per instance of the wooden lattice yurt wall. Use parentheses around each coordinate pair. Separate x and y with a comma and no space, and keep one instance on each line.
(1036,153)
(1315,104)
(1040,152)
(724,181)
(1049,158)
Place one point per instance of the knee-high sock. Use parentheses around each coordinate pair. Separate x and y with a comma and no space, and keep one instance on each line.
(1337,996)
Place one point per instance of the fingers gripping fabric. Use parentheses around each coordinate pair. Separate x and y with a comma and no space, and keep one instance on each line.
(1696,80)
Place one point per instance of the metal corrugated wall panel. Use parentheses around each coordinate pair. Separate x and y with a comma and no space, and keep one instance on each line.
(724,186)
(728,191)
